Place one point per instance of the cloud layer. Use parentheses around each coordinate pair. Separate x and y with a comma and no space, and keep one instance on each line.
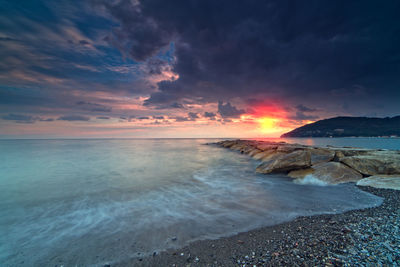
(278,49)
(179,63)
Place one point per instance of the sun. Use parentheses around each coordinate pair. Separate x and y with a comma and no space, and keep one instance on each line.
(267,124)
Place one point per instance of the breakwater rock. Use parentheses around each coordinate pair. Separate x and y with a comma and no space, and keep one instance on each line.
(332,165)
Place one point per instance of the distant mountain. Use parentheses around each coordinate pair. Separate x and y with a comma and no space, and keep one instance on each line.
(349,126)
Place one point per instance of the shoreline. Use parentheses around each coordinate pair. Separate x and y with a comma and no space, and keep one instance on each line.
(367,236)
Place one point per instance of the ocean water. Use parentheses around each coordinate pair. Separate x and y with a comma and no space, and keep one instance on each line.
(93,202)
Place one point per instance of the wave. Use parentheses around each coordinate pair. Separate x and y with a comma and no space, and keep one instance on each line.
(311,180)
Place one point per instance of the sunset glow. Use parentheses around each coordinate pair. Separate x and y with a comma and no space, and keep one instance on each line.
(122,70)
(268,124)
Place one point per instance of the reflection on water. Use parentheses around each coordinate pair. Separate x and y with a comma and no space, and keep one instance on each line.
(90,202)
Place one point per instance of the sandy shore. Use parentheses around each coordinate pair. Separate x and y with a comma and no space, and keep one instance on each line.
(368,237)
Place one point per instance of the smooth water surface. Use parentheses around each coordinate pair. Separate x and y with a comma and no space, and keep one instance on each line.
(92,202)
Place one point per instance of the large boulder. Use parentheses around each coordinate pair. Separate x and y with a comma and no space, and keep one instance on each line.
(377,162)
(282,163)
(329,172)
(263,154)
(319,155)
(272,155)
(247,149)
(254,151)
(299,174)
(381,181)
(227,144)
(289,148)
(267,146)
(238,146)
(343,152)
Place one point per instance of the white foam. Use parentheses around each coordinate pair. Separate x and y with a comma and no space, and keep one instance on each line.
(311,179)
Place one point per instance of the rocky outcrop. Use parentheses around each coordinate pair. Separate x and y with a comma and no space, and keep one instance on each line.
(376,162)
(319,155)
(295,160)
(331,164)
(329,172)
(381,181)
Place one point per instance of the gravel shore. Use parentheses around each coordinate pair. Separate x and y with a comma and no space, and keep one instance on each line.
(369,237)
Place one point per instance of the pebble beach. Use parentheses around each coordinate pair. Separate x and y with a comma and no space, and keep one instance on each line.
(367,237)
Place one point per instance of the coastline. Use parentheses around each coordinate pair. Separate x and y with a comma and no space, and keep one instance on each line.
(359,237)
(367,236)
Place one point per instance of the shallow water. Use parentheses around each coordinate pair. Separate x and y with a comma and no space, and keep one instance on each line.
(91,202)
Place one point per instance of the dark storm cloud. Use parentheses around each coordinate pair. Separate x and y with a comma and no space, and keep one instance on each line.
(292,50)
(300,116)
(20,118)
(52,54)
(128,118)
(8,39)
(176,105)
(73,118)
(93,107)
(181,119)
(161,105)
(229,111)
(193,115)
(158,117)
(103,118)
(139,34)
(338,57)
(84,42)
(8,97)
(303,108)
(209,114)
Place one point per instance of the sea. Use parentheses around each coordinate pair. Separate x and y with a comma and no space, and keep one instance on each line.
(93,202)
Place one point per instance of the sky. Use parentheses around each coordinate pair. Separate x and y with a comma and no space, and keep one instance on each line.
(193,68)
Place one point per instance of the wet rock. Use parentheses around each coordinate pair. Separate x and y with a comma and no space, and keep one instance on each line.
(289,148)
(272,155)
(378,162)
(227,144)
(299,159)
(320,155)
(330,172)
(264,154)
(338,156)
(254,151)
(238,146)
(381,181)
(299,174)
(267,146)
